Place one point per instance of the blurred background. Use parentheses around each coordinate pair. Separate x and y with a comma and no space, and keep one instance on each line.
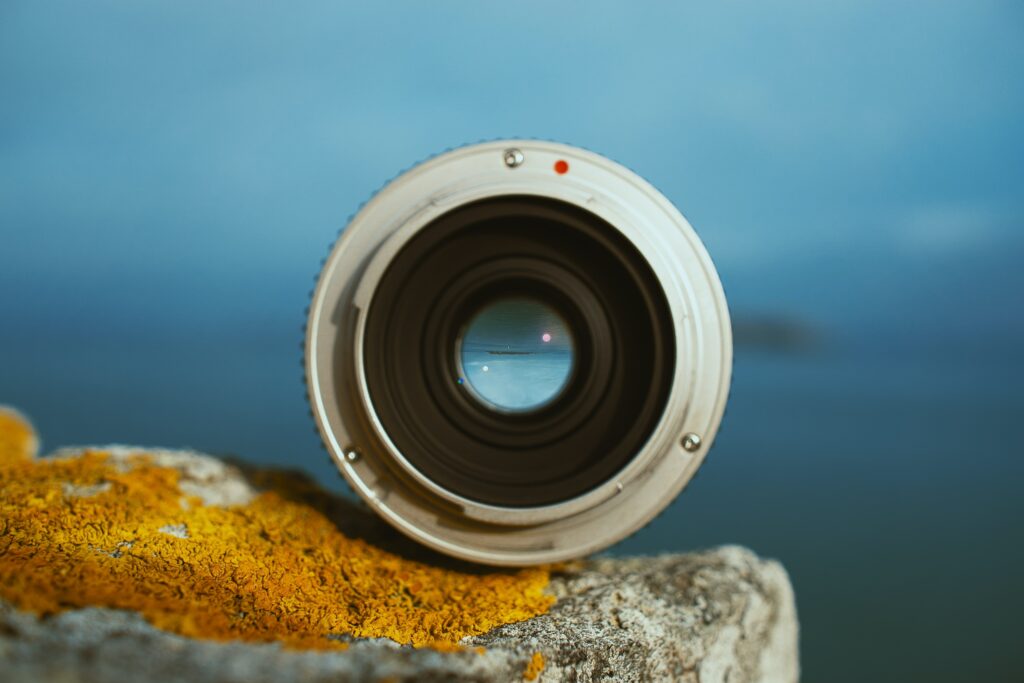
(171,175)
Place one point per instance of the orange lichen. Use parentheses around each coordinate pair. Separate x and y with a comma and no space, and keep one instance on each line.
(81,531)
(446,646)
(534,667)
(17,438)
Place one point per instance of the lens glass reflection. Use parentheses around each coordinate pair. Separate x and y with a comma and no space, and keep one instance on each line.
(516,354)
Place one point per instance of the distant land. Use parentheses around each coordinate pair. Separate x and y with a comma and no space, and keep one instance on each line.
(776,333)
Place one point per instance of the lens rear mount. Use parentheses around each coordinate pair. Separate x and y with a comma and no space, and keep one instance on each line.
(583,238)
(552,252)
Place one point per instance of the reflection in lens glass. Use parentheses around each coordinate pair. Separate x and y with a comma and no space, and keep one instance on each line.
(516,354)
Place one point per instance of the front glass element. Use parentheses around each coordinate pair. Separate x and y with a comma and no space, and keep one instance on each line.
(515,354)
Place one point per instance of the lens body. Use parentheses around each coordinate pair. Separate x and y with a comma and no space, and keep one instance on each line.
(510,350)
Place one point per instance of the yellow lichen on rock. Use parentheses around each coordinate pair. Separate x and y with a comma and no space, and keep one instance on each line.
(18,440)
(77,532)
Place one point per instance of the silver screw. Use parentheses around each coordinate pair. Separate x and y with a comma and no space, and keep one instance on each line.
(513,157)
(351,454)
(691,442)
(618,487)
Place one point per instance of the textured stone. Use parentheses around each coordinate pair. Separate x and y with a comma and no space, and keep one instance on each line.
(715,616)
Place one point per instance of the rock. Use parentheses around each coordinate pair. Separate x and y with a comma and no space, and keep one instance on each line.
(714,616)
(717,616)
(205,477)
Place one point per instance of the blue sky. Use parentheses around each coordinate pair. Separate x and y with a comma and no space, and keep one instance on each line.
(190,147)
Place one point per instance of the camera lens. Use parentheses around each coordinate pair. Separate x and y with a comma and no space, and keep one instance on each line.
(515,354)
(510,361)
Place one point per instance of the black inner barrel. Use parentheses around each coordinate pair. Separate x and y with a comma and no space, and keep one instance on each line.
(581,268)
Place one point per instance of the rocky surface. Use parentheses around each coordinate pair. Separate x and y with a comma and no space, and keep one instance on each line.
(715,616)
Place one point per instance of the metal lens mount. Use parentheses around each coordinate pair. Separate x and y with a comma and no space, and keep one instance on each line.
(606,254)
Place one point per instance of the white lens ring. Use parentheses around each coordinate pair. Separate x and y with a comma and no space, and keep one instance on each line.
(386,478)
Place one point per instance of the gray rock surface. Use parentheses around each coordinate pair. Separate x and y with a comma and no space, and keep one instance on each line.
(718,616)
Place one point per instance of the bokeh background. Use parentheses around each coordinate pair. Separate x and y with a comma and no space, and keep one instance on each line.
(172,173)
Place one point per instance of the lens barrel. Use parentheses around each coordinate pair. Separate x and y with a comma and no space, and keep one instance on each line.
(610,311)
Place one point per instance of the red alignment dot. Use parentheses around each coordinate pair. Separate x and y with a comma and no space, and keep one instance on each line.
(561,166)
